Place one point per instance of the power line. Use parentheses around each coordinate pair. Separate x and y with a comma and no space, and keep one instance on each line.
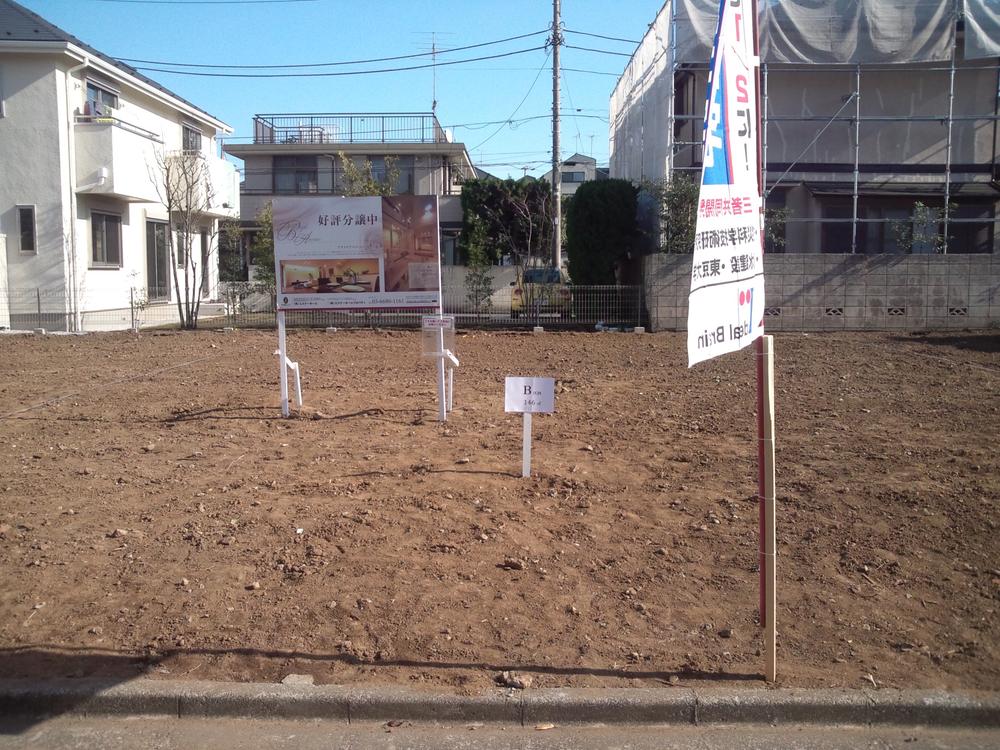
(332,64)
(530,89)
(204,2)
(601,36)
(343,73)
(601,51)
(575,123)
(593,72)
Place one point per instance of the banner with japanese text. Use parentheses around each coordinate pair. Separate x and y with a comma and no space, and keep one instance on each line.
(726,303)
(335,253)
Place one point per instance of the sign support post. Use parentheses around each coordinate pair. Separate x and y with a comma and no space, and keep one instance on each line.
(766,499)
(283,363)
(528,395)
(526,447)
(442,395)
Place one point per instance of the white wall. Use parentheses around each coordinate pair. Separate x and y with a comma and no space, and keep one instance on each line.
(31,142)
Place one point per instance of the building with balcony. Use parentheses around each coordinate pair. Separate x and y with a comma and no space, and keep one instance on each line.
(299,154)
(877,115)
(575,171)
(85,143)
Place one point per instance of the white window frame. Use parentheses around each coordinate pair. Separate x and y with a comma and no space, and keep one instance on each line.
(94,263)
(185,129)
(104,88)
(33,250)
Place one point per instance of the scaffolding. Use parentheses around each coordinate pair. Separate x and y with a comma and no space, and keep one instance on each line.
(851,108)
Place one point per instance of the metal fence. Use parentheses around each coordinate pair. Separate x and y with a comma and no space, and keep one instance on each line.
(402,127)
(51,309)
(588,307)
(246,305)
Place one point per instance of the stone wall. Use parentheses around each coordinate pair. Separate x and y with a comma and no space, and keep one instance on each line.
(813,292)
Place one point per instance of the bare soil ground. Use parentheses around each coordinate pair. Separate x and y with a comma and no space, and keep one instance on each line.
(157,515)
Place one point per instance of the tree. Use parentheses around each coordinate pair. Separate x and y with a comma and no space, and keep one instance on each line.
(479,281)
(262,246)
(601,229)
(183,182)
(922,232)
(678,202)
(507,217)
(678,215)
(231,266)
(360,179)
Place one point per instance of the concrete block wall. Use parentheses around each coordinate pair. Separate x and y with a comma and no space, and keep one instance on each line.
(820,292)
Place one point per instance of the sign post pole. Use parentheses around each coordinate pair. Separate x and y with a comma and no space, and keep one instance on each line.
(767,499)
(442,396)
(526,447)
(282,359)
(528,395)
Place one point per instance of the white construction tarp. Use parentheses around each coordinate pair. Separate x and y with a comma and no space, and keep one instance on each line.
(861,32)
(982,29)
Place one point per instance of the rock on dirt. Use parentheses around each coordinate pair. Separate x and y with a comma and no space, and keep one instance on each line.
(514,680)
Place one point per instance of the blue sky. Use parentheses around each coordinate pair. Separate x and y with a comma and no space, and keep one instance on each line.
(321,31)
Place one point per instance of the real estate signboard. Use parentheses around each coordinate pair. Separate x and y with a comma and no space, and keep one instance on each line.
(335,253)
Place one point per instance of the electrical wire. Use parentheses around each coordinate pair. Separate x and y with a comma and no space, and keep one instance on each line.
(601,36)
(341,73)
(593,72)
(601,51)
(569,96)
(204,2)
(523,100)
(333,64)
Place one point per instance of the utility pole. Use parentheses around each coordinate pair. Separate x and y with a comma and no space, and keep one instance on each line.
(557,40)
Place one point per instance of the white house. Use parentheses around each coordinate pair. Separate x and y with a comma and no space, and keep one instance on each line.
(575,171)
(84,140)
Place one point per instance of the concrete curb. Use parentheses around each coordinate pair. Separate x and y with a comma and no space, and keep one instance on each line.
(678,706)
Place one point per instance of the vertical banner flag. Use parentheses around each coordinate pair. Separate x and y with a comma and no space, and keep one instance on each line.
(726,303)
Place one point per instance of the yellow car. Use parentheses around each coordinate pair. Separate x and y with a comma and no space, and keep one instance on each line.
(541,291)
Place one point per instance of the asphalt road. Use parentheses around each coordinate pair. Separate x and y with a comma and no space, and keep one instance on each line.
(66,733)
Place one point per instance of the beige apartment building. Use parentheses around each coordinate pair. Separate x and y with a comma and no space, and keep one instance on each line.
(298,154)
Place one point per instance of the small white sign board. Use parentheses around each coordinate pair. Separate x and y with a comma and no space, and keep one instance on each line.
(437,321)
(527,396)
(530,395)
(438,335)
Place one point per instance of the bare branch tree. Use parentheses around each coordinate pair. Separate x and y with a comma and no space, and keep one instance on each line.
(184,185)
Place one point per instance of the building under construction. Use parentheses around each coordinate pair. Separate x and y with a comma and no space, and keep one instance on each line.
(879,119)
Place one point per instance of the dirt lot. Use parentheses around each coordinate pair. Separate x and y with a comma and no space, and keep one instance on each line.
(157,515)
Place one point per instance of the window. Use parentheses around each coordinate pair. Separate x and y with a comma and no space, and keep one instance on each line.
(574,176)
(191,138)
(157,261)
(295,174)
(106,234)
(100,99)
(26,229)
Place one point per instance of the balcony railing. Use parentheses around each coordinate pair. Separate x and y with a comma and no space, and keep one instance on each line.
(404,127)
(86,119)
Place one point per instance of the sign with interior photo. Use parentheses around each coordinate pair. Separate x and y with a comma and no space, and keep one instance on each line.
(335,253)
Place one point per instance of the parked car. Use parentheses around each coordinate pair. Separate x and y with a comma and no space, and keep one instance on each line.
(541,291)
